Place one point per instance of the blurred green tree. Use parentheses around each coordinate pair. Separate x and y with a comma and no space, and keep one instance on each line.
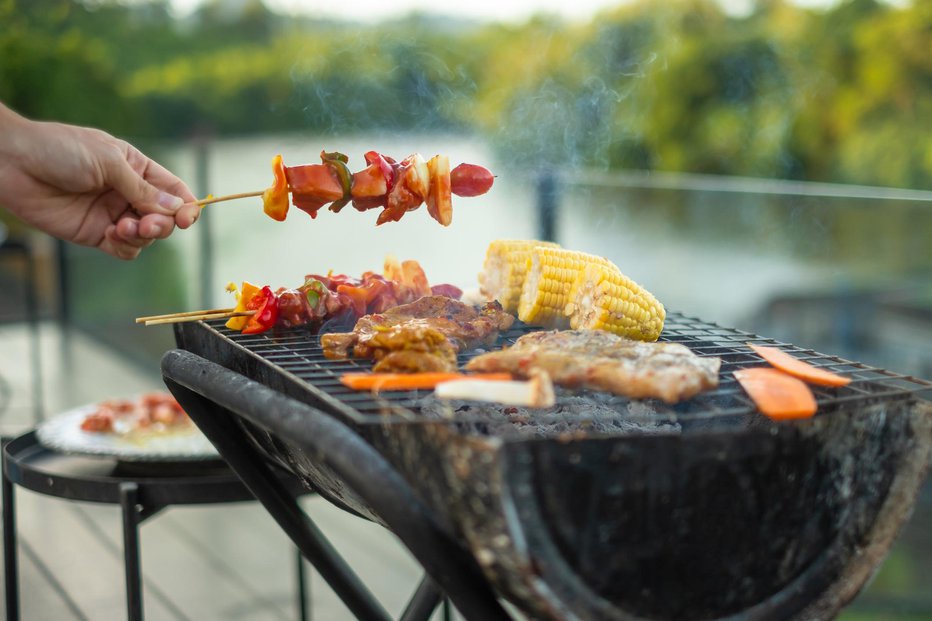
(51,68)
(681,85)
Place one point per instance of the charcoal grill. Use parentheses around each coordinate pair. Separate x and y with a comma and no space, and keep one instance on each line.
(700,510)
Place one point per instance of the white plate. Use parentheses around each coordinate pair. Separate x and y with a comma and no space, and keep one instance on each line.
(63,433)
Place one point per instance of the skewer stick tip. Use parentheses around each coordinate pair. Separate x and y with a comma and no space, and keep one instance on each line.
(211,199)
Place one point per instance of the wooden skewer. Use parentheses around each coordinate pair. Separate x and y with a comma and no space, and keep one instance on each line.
(228,197)
(184,314)
(181,318)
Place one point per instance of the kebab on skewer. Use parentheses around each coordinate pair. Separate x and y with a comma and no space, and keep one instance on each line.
(332,297)
(396,187)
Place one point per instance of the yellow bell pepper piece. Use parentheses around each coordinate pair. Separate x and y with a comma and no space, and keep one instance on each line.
(275,198)
(242,299)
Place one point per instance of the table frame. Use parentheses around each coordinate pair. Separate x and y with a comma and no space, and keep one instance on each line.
(28,464)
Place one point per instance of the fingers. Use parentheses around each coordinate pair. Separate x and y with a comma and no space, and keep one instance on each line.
(158,176)
(123,247)
(134,229)
(187,215)
(145,197)
(131,234)
(160,201)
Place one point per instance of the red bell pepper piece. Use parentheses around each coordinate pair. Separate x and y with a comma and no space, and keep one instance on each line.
(266,306)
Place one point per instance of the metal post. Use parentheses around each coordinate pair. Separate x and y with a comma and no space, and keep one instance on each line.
(129,499)
(10,567)
(64,284)
(548,198)
(32,316)
(206,247)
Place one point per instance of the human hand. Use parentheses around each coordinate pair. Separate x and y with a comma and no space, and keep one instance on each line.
(85,186)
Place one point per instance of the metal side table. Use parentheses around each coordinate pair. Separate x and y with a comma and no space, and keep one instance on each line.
(140,495)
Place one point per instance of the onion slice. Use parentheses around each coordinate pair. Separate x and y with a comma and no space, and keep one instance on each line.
(536,392)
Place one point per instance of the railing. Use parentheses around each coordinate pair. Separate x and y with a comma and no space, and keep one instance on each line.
(551,184)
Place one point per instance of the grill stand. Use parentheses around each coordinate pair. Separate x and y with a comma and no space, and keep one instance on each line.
(215,397)
(590,526)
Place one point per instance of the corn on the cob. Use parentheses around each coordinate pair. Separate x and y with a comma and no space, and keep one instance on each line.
(603,298)
(504,270)
(551,273)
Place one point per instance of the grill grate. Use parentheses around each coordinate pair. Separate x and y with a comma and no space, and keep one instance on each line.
(298,353)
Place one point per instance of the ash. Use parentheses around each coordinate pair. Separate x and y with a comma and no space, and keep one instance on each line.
(572,416)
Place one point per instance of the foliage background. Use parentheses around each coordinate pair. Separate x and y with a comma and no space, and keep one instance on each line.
(841,94)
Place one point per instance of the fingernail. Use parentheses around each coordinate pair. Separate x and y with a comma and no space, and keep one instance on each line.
(169,201)
(133,227)
(155,230)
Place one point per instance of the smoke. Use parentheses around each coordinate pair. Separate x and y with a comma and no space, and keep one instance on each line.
(396,76)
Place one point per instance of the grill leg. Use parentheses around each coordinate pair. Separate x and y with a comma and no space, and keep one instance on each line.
(423,602)
(129,499)
(255,473)
(213,396)
(303,612)
(10,568)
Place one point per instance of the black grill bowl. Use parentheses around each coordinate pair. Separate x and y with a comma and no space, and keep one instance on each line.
(775,522)
(722,515)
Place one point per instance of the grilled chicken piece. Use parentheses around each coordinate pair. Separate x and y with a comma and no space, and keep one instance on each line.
(421,336)
(602,361)
(409,349)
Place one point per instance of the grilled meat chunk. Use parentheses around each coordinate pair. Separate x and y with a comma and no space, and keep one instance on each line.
(602,361)
(424,335)
(409,349)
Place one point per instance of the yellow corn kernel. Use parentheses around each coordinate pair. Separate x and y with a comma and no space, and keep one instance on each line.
(602,298)
(505,268)
(551,273)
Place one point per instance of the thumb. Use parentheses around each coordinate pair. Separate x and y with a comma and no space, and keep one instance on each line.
(142,195)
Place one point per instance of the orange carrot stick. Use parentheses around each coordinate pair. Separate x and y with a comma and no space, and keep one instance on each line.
(410,381)
(798,368)
(776,394)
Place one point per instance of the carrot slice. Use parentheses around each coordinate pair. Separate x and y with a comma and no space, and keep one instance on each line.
(798,368)
(776,394)
(410,381)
